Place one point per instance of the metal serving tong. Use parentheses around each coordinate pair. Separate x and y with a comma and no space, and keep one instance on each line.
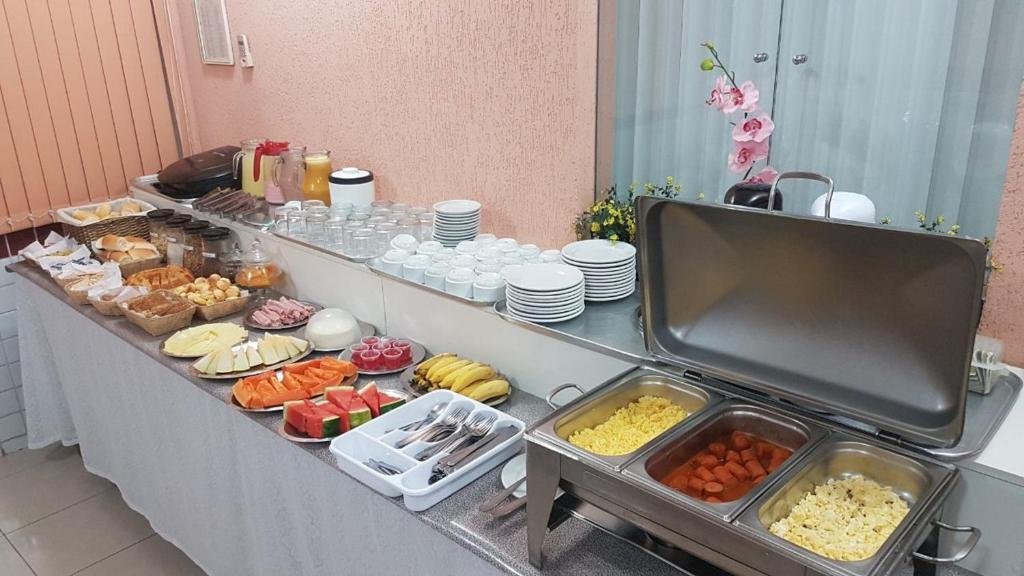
(496,505)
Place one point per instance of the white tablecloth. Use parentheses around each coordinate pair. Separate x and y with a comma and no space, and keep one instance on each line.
(229,492)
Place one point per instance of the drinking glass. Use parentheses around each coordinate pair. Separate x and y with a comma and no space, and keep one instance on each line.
(347,230)
(410,226)
(316,227)
(307,204)
(400,208)
(426,225)
(384,233)
(362,244)
(360,217)
(381,204)
(385,212)
(281,218)
(297,223)
(335,229)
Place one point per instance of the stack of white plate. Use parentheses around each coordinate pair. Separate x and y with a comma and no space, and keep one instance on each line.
(456,221)
(609,267)
(544,293)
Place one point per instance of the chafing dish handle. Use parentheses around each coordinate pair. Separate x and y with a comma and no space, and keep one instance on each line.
(972,541)
(551,397)
(804,176)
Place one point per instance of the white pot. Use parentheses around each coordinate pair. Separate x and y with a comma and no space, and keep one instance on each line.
(353,186)
(846,206)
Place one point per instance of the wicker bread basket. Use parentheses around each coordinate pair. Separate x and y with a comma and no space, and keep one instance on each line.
(133,225)
(158,325)
(221,309)
(105,307)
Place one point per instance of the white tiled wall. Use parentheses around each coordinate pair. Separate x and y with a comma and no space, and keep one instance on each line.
(12,407)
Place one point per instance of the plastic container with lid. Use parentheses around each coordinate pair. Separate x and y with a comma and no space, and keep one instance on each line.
(217,243)
(258,269)
(352,185)
(175,236)
(192,249)
(158,229)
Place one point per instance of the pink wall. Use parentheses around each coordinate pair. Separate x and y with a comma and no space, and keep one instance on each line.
(1004,311)
(440,98)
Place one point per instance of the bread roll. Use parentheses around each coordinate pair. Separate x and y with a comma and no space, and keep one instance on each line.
(83,215)
(129,208)
(102,211)
(117,256)
(113,243)
(142,253)
(143,245)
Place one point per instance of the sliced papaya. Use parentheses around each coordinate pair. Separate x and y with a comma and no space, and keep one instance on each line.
(343,366)
(284,396)
(300,367)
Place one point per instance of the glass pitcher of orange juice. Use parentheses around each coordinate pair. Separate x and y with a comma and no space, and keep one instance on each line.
(316,184)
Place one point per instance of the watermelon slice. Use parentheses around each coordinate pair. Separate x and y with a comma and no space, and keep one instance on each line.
(342,415)
(295,414)
(322,424)
(340,396)
(358,412)
(371,397)
(389,403)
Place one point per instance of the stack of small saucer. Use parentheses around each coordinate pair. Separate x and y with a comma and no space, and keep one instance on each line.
(609,267)
(456,221)
(544,293)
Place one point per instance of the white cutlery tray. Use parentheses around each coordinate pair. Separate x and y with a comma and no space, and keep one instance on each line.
(372,440)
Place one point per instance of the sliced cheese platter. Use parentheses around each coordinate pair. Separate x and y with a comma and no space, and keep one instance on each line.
(198,341)
(250,358)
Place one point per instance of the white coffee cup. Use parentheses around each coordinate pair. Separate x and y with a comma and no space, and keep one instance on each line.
(459,282)
(435,274)
(406,242)
(489,267)
(429,247)
(491,252)
(486,239)
(529,250)
(488,287)
(467,247)
(392,261)
(551,256)
(463,261)
(506,243)
(415,267)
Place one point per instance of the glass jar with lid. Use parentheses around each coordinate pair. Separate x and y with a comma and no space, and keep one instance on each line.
(217,243)
(258,272)
(192,249)
(231,261)
(158,229)
(176,238)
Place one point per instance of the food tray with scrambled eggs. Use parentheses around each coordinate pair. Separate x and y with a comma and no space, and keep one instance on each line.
(850,506)
(615,422)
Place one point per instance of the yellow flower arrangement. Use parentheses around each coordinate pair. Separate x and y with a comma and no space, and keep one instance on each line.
(612,218)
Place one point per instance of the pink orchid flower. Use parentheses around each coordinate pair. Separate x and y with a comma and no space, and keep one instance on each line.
(767,175)
(743,98)
(720,94)
(754,128)
(745,154)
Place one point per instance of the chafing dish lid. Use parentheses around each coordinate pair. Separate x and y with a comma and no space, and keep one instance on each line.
(871,322)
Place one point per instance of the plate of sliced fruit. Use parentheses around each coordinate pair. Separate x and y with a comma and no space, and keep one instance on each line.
(198,341)
(250,358)
(342,409)
(269,390)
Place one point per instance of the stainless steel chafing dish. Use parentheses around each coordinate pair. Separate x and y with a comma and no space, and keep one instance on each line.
(780,324)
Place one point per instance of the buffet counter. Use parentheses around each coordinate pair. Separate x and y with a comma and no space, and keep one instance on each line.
(184,458)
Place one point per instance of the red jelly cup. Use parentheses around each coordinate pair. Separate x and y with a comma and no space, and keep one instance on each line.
(370,340)
(381,346)
(372,360)
(393,359)
(405,347)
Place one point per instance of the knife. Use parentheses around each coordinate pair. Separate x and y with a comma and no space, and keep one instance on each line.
(465,456)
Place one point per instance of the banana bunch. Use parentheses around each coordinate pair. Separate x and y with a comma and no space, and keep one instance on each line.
(480,382)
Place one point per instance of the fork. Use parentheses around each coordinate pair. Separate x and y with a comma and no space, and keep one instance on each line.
(449,421)
(477,427)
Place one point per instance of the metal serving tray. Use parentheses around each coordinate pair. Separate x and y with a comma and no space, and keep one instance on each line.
(599,404)
(684,443)
(872,322)
(922,484)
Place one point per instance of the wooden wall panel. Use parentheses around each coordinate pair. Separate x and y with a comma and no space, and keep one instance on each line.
(84,104)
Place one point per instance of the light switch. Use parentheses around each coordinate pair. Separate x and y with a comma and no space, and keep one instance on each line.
(244,54)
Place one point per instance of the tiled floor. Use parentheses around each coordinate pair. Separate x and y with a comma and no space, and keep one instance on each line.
(58,519)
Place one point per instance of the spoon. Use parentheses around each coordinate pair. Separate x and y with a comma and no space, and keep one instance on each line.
(476,427)
(450,421)
(430,417)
